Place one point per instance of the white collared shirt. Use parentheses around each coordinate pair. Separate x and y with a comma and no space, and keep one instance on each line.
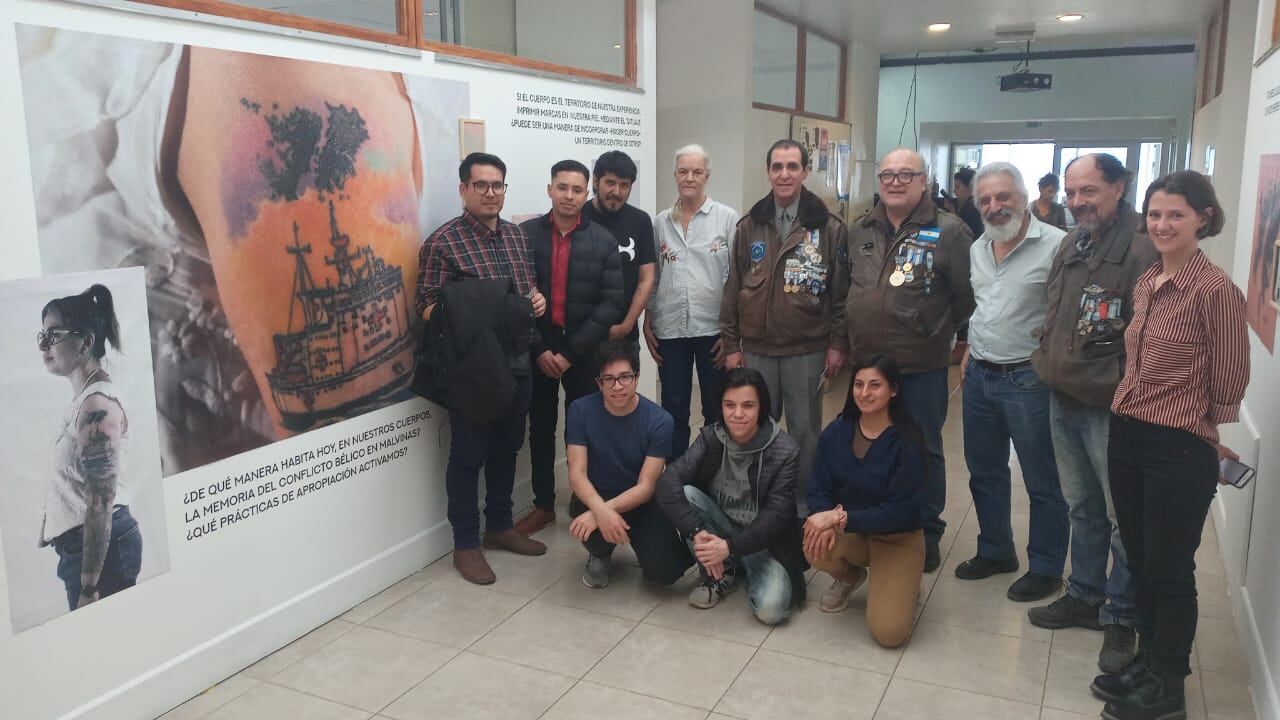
(1012,297)
(691,270)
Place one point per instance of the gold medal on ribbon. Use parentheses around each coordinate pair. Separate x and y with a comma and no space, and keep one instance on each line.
(897,278)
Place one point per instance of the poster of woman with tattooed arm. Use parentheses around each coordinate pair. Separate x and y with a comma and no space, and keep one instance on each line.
(277,206)
(81,504)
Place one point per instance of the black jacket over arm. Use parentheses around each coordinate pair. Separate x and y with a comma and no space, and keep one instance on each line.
(776,527)
(594,300)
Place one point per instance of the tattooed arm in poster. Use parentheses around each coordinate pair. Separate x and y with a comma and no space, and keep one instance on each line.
(304,179)
(99,429)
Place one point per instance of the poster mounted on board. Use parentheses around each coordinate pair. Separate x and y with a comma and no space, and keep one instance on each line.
(81,495)
(1261,298)
(276,206)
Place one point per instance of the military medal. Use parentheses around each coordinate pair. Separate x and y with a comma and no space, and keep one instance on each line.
(897,278)
(906,267)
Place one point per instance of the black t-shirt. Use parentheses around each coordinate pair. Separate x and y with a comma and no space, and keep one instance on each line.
(633,229)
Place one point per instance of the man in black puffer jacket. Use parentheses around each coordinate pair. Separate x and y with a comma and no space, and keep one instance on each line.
(577,263)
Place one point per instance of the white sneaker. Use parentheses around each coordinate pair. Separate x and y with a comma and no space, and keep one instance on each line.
(710,592)
(596,573)
(836,598)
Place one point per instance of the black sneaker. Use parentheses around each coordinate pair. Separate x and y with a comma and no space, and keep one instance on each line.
(1067,611)
(978,567)
(1151,698)
(1114,687)
(1032,587)
(1119,646)
(932,556)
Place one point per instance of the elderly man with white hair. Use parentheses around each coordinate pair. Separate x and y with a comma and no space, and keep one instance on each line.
(694,240)
(1004,399)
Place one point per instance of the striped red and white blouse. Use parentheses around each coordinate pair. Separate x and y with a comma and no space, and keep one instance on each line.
(1187,348)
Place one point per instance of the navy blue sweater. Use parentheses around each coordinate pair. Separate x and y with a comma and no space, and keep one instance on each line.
(883,492)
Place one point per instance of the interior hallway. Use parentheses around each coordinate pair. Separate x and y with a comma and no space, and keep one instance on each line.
(539,644)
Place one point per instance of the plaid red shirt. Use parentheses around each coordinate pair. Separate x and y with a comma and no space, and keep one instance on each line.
(1188,350)
(466,249)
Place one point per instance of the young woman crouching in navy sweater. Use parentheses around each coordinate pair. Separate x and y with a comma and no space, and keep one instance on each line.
(865,495)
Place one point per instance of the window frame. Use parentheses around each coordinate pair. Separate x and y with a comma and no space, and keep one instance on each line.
(409,34)
(802,31)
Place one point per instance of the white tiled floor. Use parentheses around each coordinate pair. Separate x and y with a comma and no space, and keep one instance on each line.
(538,644)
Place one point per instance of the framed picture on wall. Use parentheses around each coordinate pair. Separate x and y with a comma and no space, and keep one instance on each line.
(470,136)
(1275,279)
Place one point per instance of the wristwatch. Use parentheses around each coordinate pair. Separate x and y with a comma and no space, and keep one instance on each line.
(87,590)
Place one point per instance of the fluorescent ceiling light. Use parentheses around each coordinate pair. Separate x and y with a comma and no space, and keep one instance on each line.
(1070,17)
(939,27)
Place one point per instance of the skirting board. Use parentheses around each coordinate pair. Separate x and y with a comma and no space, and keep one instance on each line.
(1266,701)
(187,675)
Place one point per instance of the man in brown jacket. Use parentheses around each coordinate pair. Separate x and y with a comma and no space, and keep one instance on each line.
(909,294)
(1081,356)
(784,300)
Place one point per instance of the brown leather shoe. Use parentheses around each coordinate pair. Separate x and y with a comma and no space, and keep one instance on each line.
(473,567)
(514,541)
(537,519)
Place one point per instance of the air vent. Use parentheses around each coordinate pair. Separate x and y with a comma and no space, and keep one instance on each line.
(1015,34)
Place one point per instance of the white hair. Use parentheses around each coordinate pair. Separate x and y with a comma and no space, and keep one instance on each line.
(693,149)
(1008,169)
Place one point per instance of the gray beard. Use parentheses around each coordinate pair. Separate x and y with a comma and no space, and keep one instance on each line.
(1003,233)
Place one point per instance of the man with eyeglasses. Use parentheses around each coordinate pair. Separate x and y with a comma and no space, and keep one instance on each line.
(577,262)
(783,310)
(909,294)
(682,322)
(614,174)
(618,442)
(479,245)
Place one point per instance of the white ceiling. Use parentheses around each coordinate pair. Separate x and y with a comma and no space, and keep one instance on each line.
(898,26)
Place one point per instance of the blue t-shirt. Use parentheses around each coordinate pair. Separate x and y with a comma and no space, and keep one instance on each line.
(617,446)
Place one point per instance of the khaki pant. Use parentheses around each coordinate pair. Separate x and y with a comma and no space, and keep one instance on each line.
(895,564)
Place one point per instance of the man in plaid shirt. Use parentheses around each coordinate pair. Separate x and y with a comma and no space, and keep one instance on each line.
(479,245)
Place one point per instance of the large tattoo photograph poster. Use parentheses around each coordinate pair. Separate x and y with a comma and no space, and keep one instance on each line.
(276,205)
(81,496)
(1260,299)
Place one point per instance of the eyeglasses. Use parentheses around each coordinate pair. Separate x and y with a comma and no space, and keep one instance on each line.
(483,188)
(691,172)
(623,380)
(904,177)
(46,339)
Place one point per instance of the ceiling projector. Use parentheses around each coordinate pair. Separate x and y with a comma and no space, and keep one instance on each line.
(1026,81)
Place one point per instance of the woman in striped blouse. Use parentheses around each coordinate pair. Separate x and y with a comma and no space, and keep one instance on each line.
(1185,373)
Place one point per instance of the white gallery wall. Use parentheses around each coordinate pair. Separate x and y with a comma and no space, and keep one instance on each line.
(233,597)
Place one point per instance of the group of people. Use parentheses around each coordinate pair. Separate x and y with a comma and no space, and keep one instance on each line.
(1106,357)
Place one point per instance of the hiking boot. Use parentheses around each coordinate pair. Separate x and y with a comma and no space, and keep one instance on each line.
(1151,697)
(978,567)
(932,556)
(1119,646)
(1067,611)
(537,519)
(513,540)
(836,598)
(596,574)
(1033,586)
(473,567)
(709,594)
(1114,687)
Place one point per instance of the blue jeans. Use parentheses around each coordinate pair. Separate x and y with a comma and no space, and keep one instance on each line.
(925,395)
(768,584)
(999,406)
(679,356)
(1080,436)
(492,446)
(119,570)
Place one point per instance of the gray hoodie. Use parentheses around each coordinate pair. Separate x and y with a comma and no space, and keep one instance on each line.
(731,486)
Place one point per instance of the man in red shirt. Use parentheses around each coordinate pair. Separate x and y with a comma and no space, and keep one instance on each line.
(577,261)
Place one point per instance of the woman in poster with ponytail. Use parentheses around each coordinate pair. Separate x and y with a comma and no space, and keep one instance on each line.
(86,513)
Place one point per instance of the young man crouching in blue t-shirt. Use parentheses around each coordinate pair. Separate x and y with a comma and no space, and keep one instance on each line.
(618,443)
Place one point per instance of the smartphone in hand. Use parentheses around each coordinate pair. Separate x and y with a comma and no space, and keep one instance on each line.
(1236,472)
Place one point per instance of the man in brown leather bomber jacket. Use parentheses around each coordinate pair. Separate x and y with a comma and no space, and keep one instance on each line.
(784,300)
(909,294)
